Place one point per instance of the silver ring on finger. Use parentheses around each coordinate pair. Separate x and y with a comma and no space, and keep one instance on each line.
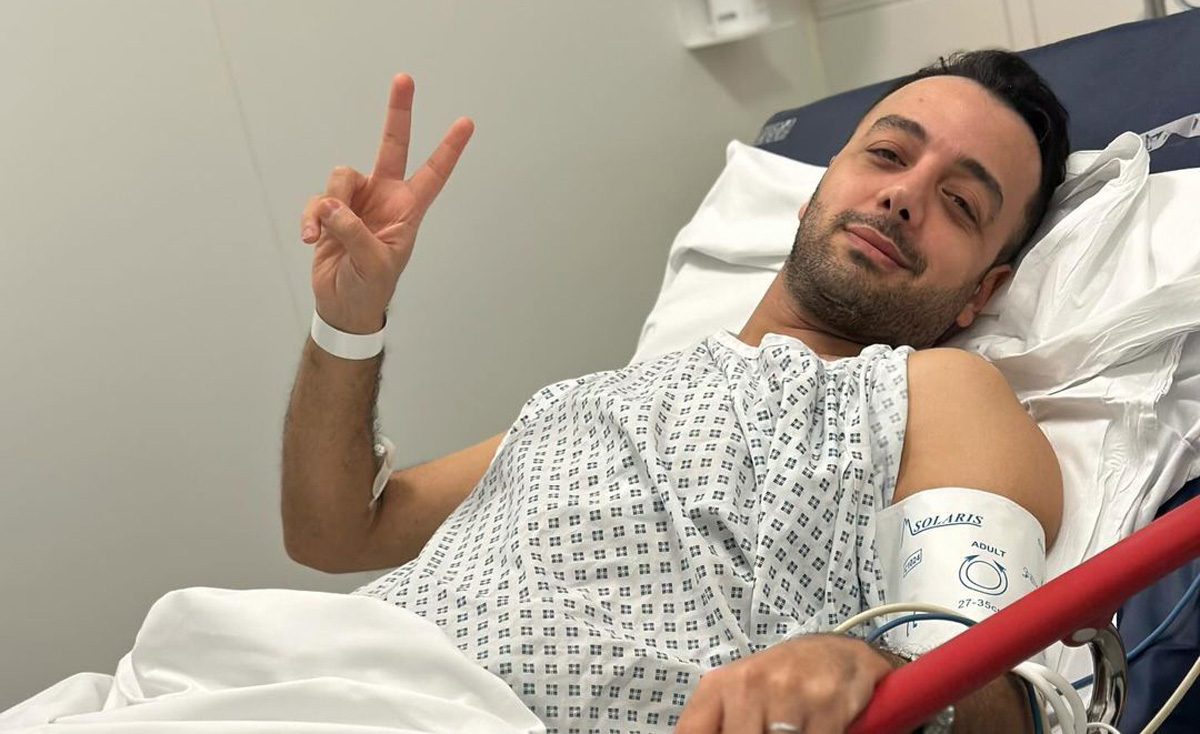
(781,726)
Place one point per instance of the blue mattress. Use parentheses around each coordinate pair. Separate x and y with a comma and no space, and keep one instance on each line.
(1140,77)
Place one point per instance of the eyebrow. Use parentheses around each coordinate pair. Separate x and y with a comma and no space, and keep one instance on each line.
(903,124)
(968,164)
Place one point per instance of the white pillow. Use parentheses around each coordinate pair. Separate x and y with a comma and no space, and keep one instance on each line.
(1092,331)
(723,260)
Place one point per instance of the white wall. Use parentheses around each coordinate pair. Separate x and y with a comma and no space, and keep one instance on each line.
(865,41)
(154,292)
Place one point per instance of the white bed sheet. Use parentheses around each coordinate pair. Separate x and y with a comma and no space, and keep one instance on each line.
(285,662)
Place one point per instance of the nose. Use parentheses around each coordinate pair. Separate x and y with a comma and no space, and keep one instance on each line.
(900,201)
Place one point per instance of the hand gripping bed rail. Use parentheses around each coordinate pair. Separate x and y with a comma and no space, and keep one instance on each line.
(1070,608)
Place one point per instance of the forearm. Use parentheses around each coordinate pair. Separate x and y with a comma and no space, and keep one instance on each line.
(1000,707)
(328,456)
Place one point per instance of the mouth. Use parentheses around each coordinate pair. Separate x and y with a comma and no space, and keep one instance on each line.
(881,246)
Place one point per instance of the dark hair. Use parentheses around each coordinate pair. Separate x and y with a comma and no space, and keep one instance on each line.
(1011,79)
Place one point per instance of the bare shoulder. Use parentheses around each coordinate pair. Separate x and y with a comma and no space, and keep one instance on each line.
(966,428)
(970,370)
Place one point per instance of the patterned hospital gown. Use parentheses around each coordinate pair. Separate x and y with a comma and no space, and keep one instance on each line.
(640,526)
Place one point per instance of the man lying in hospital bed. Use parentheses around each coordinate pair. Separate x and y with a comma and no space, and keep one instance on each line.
(692,510)
(707,512)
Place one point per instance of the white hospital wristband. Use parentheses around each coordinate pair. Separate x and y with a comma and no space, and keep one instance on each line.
(344,345)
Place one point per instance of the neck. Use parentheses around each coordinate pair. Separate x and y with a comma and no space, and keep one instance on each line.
(776,313)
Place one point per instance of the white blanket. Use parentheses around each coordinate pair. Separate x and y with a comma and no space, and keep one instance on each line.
(215,660)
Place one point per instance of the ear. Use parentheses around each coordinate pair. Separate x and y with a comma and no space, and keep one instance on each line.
(803,208)
(992,280)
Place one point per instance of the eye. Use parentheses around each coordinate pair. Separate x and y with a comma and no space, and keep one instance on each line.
(963,204)
(887,154)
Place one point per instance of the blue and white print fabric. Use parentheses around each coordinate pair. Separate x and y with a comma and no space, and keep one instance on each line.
(640,526)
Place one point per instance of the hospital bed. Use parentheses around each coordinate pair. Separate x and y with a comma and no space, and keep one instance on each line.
(1142,77)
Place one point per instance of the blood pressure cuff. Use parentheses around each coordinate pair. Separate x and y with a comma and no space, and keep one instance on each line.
(972,552)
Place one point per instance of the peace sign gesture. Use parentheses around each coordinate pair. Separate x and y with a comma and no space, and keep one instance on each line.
(364,227)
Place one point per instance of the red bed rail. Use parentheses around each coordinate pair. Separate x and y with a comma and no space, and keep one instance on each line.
(1086,596)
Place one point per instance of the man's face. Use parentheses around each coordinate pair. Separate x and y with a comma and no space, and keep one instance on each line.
(944,171)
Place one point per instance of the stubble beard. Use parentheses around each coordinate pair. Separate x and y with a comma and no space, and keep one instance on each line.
(850,294)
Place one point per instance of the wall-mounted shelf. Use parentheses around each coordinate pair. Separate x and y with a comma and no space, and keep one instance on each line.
(698,30)
(708,39)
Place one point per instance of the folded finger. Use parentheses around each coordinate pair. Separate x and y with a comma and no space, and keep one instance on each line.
(344,226)
(825,723)
(702,712)
(310,223)
(749,719)
(783,714)
(343,183)
(832,714)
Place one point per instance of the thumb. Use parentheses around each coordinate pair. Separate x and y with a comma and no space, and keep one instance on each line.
(344,226)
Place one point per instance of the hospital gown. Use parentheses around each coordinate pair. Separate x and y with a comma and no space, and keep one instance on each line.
(638,527)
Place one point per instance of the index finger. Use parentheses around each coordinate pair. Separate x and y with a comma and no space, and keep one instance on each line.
(703,712)
(392,160)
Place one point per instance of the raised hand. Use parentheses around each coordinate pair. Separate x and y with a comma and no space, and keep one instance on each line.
(365,227)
